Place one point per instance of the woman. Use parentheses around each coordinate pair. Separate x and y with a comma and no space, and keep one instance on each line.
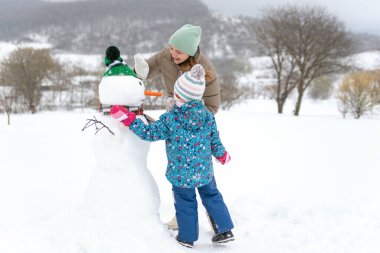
(181,55)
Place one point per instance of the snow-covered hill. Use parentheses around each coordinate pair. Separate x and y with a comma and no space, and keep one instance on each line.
(140,26)
(367,60)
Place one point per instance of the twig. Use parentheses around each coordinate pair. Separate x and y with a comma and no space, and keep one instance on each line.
(95,122)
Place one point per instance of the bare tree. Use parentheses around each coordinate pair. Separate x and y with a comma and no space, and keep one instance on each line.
(230,92)
(358,93)
(268,32)
(316,41)
(321,87)
(229,72)
(59,80)
(25,69)
(303,43)
(7,101)
(376,94)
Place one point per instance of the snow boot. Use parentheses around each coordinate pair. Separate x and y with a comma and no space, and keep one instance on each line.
(186,244)
(223,237)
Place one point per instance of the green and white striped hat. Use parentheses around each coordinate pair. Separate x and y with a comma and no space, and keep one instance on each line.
(191,85)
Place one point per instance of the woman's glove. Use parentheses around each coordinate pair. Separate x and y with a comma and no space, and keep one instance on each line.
(141,67)
(122,114)
(224,159)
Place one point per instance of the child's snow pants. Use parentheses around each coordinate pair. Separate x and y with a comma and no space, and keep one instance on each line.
(187,210)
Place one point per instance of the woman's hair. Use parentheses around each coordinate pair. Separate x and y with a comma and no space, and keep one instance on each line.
(191,61)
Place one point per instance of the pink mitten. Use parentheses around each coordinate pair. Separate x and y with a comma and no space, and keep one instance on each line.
(122,114)
(225,158)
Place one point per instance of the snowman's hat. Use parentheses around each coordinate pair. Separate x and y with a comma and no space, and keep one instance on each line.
(116,65)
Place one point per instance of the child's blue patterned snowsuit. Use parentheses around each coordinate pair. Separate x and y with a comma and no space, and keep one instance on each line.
(192,139)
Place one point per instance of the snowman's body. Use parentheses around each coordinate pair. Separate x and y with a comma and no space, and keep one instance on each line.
(122,157)
(121,182)
(121,203)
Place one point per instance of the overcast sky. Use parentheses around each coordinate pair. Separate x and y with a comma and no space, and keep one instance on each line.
(358,15)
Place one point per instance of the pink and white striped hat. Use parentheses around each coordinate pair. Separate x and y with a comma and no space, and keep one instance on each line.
(191,85)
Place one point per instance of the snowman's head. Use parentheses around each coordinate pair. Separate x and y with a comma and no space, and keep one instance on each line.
(121,90)
(120,85)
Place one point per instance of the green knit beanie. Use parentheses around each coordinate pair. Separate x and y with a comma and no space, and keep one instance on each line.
(119,69)
(187,39)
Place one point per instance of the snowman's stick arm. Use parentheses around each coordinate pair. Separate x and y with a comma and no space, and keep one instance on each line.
(95,121)
(90,122)
(87,125)
(104,126)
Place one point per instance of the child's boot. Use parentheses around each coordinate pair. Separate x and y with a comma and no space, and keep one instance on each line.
(223,237)
(186,244)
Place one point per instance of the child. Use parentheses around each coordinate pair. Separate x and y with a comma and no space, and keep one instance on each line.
(192,139)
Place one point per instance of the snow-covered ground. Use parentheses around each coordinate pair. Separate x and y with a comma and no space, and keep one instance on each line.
(295,184)
(307,184)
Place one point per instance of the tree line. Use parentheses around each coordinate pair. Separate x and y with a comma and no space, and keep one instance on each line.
(32,80)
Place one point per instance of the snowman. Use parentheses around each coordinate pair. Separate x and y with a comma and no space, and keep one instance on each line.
(120,209)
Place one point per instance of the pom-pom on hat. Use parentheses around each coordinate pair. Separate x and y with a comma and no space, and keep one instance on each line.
(112,54)
(191,85)
(187,39)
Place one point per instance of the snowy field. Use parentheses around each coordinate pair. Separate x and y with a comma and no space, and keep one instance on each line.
(307,184)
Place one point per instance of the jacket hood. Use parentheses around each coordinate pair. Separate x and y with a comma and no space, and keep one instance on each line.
(193,115)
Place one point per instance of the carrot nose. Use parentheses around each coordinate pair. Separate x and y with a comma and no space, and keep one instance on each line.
(152,93)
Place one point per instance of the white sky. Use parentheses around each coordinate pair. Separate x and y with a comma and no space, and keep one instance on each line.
(359,16)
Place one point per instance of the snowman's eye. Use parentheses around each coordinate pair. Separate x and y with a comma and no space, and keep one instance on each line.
(140,83)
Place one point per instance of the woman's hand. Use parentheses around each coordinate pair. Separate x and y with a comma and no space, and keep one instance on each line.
(141,67)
